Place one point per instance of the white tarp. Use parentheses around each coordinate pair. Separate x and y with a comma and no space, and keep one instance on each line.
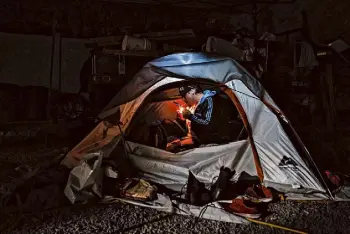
(211,211)
(172,169)
(26,61)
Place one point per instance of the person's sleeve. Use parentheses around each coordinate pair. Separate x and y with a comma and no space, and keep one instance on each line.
(205,120)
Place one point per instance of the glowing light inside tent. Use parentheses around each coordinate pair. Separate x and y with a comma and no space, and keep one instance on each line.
(181,109)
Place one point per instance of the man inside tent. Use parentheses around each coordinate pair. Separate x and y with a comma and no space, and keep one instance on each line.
(211,118)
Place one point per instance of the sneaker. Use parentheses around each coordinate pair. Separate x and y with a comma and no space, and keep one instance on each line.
(258,193)
(196,192)
(239,207)
(333,179)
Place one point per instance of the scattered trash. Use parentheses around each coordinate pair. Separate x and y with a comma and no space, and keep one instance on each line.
(85,180)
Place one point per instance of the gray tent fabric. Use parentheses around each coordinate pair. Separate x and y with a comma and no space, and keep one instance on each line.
(144,79)
(187,66)
(208,66)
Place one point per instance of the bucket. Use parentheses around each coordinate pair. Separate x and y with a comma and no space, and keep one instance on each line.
(137,44)
(223,47)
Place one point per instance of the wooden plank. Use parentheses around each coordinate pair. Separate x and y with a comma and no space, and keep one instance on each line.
(103,41)
(24,125)
(329,78)
(29,122)
(134,53)
(325,103)
(168,35)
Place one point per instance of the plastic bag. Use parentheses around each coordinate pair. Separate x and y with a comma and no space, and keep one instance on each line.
(85,180)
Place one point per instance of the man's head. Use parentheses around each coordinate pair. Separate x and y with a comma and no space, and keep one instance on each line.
(191,94)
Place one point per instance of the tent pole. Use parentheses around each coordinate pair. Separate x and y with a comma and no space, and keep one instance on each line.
(59,63)
(313,162)
(275,226)
(49,100)
(255,19)
(247,126)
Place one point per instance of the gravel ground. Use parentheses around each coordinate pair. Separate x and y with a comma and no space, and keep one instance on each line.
(124,218)
(312,217)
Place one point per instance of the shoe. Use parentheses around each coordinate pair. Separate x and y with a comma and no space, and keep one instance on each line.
(258,193)
(239,207)
(222,183)
(196,193)
(333,179)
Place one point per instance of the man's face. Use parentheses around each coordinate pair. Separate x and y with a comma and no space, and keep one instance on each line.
(190,97)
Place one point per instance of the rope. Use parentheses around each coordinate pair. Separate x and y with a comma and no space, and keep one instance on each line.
(125,144)
(246,94)
(204,209)
(275,226)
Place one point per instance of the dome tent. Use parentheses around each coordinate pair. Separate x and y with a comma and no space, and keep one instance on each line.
(273,151)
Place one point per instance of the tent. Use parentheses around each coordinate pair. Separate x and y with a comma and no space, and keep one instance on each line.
(273,152)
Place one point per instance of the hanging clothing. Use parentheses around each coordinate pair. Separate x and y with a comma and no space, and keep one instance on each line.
(307,56)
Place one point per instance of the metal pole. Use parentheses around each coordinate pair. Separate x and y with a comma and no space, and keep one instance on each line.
(255,18)
(48,111)
(60,63)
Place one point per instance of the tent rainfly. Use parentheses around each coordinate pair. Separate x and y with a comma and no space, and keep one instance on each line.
(273,152)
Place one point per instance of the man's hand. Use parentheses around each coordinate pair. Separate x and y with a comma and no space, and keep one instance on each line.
(173,145)
(180,116)
(186,114)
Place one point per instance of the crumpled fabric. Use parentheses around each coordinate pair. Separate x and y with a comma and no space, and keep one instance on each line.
(307,56)
(343,194)
(85,180)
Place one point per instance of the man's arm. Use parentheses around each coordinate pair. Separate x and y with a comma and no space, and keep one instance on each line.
(206,113)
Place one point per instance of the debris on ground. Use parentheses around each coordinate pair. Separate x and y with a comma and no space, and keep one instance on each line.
(56,215)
